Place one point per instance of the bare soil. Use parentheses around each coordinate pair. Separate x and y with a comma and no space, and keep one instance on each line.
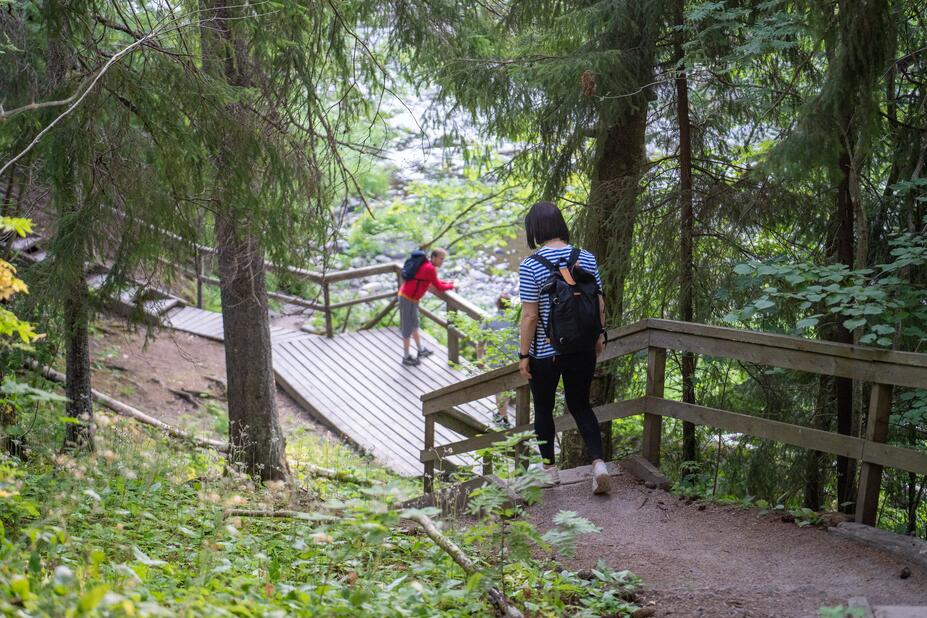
(726,560)
(176,377)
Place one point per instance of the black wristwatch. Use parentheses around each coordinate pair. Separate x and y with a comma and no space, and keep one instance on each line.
(523,356)
(604,333)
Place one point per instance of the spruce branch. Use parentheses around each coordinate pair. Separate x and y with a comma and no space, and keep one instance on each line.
(75,100)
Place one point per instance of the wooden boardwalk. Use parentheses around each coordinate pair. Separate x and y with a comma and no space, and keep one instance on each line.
(355,384)
(208,324)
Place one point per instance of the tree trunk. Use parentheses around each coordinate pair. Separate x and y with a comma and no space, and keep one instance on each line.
(256,442)
(843,387)
(815,460)
(608,221)
(78,435)
(686,261)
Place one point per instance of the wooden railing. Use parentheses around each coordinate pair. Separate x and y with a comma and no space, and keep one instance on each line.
(884,369)
(453,302)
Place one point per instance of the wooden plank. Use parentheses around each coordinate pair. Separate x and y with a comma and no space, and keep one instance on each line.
(455,302)
(902,374)
(640,468)
(461,423)
(363,299)
(428,474)
(870,474)
(522,417)
(653,423)
(295,300)
(805,437)
(379,316)
(191,318)
(365,396)
(343,411)
(890,456)
(908,548)
(885,455)
(393,375)
(361,272)
(607,412)
(401,403)
(373,439)
(327,308)
(736,335)
(428,380)
(438,361)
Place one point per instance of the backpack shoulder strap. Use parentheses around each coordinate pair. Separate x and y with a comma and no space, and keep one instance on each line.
(543,261)
(574,257)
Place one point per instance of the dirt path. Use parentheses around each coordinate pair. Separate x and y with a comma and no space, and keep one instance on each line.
(727,561)
(176,377)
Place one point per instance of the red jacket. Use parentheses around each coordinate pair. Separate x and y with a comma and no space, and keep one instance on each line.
(427,276)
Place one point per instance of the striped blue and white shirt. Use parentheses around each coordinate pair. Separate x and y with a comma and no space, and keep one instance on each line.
(532,276)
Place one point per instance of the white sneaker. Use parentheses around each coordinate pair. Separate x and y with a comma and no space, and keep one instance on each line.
(552,474)
(601,480)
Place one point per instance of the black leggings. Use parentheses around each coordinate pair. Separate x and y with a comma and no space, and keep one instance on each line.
(577,370)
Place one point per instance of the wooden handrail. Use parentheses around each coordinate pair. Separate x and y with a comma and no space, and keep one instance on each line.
(884,368)
(453,301)
(821,357)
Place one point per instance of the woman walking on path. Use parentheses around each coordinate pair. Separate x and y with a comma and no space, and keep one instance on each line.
(539,360)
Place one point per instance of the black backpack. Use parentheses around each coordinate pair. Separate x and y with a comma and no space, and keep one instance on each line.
(574,323)
(412,264)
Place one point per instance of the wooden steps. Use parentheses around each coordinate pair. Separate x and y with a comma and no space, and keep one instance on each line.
(356,383)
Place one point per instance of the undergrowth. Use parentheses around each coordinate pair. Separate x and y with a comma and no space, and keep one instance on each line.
(141,528)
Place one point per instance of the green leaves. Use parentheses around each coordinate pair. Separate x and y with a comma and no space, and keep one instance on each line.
(854,323)
(872,301)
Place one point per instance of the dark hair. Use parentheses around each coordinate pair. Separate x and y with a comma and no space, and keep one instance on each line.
(438,251)
(504,301)
(545,222)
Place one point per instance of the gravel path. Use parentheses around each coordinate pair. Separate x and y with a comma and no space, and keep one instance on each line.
(726,561)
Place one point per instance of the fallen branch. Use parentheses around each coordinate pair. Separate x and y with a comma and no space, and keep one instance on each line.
(496,598)
(259,513)
(343,476)
(133,413)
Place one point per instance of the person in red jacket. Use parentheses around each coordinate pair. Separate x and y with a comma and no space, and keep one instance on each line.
(412,290)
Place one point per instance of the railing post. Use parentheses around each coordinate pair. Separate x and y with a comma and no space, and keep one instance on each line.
(870,474)
(453,339)
(522,417)
(429,473)
(327,302)
(653,423)
(198,264)
(487,465)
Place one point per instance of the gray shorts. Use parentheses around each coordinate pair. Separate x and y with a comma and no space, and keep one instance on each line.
(408,316)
